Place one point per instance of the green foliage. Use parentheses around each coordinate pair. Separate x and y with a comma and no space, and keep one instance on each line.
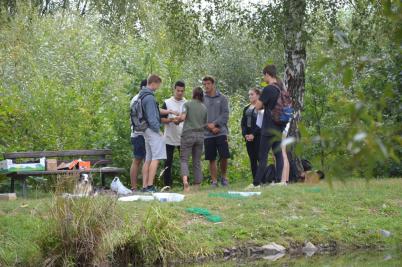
(67,76)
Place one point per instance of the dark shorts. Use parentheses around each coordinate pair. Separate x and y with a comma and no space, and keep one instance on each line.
(215,145)
(138,143)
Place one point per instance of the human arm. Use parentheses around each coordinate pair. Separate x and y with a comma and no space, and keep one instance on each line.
(244,122)
(223,117)
(164,112)
(151,112)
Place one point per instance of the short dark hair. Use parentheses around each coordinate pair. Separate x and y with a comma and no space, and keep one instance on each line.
(208,78)
(270,70)
(198,93)
(154,79)
(180,84)
(143,83)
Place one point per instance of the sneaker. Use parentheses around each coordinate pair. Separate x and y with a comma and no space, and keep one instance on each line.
(151,189)
(214,184)
(165,189)
(252,186)
(224,181)
(144,190)
(279,184)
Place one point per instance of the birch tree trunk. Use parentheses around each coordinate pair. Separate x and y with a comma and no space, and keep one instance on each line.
(295,57)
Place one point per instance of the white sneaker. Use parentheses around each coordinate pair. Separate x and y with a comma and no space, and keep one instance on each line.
(252,186)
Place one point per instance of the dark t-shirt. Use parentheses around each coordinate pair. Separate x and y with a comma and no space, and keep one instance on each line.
(269,97)
(164,106)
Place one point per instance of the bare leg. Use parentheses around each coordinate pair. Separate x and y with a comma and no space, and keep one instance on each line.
(286,167)
(153,167)
(134,172)
(186,186)
(224,167)
(213,169)
(145,173)
(145,168)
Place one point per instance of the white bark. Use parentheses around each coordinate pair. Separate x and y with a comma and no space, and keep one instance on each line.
(295,58)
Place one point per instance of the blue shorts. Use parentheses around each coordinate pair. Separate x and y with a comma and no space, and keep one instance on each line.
(138,143)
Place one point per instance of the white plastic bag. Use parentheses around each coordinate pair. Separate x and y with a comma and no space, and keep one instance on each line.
(118,187)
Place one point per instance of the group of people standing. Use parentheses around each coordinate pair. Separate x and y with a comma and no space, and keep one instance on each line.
(189,127)
(201,124)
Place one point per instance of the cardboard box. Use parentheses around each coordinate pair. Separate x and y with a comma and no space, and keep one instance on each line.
(7,166)
(8,196)
(51,164)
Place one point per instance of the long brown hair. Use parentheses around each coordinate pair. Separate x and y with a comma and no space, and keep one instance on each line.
(198,94)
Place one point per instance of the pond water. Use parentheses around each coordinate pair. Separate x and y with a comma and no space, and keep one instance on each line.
(360,258)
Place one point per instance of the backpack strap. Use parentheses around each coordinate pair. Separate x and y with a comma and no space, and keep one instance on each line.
(142,106)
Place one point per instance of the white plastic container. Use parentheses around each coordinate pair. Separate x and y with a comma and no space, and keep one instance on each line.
(168,197)
(129,198)
(136,198)
(245,194)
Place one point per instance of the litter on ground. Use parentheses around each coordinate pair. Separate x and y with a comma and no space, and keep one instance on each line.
(206,214)
(162,197)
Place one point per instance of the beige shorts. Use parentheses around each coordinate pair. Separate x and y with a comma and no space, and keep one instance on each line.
(155,146)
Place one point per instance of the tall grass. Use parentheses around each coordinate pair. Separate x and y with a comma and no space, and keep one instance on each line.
(156,240)
(78,229)
(91,231)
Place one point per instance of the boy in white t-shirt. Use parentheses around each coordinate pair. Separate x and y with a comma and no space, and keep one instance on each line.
(173,128)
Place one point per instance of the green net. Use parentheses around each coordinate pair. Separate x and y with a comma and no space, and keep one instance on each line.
(199,211)
(206,213)
(214,218)
(313,190)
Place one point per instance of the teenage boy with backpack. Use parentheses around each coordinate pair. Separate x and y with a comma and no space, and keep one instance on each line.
(216,133)
(278,111)
(145,116)
(173,128)
(138,142)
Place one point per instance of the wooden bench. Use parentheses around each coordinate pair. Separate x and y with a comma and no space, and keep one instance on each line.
(99,159)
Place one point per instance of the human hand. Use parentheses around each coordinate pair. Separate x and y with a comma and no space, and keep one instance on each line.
(210,126)
(173,112)
(250,137)
(176,121)
(215,130)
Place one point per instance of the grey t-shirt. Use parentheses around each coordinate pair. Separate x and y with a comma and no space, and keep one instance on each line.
(196,116)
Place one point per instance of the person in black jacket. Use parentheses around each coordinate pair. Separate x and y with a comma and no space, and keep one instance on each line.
(271,133)
(250,130)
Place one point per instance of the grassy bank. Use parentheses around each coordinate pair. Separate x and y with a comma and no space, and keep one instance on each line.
(349,215)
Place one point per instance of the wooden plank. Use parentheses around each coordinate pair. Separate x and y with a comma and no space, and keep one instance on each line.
(106,170)
(65,153)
